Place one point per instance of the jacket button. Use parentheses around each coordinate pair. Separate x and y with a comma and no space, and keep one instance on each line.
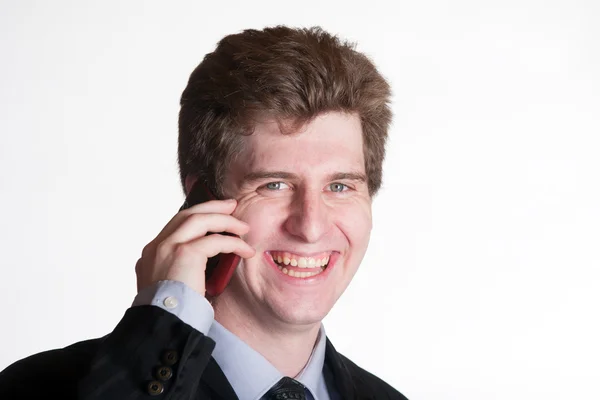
(170,357)
(164,373)
(155,388)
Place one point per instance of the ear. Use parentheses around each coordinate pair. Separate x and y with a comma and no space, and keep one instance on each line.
(189,183)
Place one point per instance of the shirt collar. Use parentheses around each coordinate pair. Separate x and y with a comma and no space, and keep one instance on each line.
(312,374)
(251,375)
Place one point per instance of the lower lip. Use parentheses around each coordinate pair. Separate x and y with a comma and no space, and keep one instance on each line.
(304,281)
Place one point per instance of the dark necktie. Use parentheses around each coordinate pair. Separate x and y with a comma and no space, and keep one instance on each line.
(286,389)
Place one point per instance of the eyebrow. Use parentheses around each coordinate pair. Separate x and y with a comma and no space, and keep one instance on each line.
(336,176)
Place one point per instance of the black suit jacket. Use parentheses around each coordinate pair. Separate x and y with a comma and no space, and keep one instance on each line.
(153,354)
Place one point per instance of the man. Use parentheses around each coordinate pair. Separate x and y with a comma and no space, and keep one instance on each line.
(287,128)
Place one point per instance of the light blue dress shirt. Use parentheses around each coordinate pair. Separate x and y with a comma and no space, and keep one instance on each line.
(248,372)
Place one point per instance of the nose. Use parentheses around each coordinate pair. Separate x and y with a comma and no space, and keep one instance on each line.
(309,218)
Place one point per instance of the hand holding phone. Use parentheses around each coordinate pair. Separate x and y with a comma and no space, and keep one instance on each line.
(200,246)
(219,268)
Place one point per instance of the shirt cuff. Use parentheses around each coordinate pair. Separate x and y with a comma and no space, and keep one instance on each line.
(181,300)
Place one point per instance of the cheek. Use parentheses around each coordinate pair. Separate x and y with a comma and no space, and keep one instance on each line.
(264,220)
(356,224)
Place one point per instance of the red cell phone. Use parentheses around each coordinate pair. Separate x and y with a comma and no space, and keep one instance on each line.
(220,268)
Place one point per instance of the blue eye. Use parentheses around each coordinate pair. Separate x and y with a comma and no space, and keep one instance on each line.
(275,186)
(337,187)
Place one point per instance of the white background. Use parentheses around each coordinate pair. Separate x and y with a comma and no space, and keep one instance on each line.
(482,279)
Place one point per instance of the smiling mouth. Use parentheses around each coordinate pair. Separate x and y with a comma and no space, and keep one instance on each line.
(299,266)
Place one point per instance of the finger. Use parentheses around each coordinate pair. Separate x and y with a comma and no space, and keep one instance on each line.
(210,246)
(213,206)
(185,269)
(198,225)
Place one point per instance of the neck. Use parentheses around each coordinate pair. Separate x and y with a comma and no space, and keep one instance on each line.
(287,348)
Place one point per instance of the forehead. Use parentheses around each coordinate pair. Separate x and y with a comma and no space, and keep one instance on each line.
(329,143)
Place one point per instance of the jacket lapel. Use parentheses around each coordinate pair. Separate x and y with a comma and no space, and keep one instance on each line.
(214,378)
(337,377)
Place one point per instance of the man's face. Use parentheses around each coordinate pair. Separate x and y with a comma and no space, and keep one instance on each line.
(306,199)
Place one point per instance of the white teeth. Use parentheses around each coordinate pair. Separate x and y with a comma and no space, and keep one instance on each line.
(286,260)
(311,263)
(299,274)
(302,262)
(279,259)
(294,262)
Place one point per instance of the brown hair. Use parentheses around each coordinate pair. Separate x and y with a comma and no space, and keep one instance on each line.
(289,74)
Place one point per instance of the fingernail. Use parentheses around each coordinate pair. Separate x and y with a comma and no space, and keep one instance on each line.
(230,200)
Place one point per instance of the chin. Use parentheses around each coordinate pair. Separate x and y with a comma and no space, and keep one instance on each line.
(300,317)
(300,311)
